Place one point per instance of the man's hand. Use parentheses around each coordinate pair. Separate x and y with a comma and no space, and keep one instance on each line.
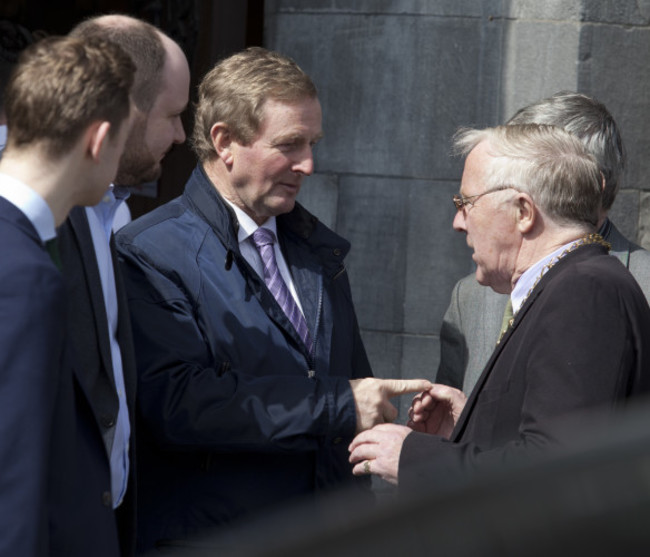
(437,410)
(371,398)
(377,450)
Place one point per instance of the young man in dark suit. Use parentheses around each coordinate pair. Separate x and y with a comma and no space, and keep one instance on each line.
(66,136)
(579,338)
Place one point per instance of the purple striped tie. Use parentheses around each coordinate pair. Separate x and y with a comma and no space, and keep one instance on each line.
(264,240)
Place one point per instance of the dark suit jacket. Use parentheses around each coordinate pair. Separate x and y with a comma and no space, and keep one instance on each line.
(90,345)
(581,340)
(472,322)
(51,481)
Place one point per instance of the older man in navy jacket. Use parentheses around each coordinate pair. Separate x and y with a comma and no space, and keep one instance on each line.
(252,374)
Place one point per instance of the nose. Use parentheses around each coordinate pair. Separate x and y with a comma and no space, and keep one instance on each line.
(305,163)
(459,221)
(179,130)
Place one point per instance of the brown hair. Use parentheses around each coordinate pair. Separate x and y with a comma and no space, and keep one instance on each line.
(235,90)
(63,84)
(141,41)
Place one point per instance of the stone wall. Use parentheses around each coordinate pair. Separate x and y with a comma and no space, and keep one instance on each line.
(396,79)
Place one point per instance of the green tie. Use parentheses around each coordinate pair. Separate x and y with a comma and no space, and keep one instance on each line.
(507,319)
(52,247)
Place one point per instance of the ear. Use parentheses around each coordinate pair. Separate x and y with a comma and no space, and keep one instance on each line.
(222,142)
(526,215)
(97,135)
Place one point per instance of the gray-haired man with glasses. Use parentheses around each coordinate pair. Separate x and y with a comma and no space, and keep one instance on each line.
(473,319)
(580,336)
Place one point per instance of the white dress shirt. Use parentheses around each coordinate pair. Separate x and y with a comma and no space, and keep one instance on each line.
(248,250)
(530,276)
(100,220)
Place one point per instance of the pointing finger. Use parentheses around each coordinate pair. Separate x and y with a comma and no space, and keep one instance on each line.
(394,387)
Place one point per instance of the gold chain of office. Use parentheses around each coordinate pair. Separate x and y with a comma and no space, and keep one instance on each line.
(592,238)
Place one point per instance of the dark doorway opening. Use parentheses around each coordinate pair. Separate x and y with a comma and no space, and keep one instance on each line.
(207,30)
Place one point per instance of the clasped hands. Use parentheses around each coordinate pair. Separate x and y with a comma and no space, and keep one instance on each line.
(376,448)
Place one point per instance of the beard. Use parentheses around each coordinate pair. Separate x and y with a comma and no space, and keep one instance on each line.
(137,165)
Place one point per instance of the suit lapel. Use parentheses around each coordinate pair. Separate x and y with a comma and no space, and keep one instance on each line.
(307,283)
(471,401)
(88,265)
(124,334)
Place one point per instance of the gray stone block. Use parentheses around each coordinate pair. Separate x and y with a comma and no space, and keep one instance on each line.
(319,195)
(617,13)
(400,7)
(613,70)
(598,11)
(530,72)
(644,220)
(389,87)
(553,10)
(437,255)
(625,213)
(373,217)
(420,356)
(384,352)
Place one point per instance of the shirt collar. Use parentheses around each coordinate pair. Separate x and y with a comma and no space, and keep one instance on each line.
(529,277)
(107,207)
(30,203)
(247,225)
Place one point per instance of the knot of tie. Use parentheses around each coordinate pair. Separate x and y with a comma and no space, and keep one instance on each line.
(263,237)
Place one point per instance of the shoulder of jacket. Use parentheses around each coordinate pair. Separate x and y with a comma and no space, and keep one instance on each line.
(306,226)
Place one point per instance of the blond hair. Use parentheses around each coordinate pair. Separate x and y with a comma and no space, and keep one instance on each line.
(235,90)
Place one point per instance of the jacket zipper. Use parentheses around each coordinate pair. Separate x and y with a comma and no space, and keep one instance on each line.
(311,372)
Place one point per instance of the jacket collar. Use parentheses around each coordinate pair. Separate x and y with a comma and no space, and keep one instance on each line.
(621,246)
(206,201)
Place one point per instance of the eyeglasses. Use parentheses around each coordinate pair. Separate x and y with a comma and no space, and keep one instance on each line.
(460,201)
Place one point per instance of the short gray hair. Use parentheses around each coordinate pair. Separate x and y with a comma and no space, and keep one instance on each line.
(546,162)
(591,122)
